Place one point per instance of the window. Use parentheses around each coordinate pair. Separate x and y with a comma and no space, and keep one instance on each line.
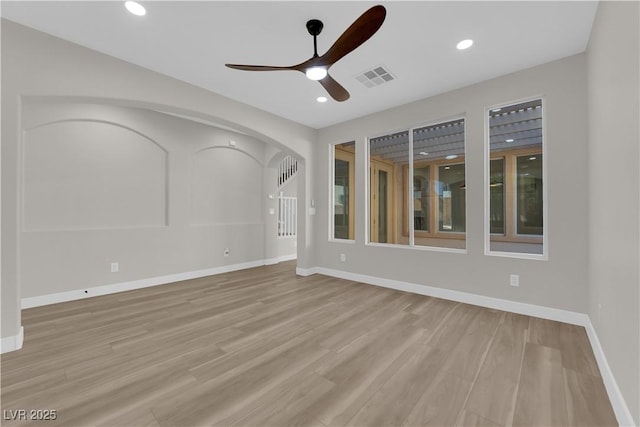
(439,203)
(515,190)
(387,154)
(421,198)
(417,191)
(496,196)
(343,191)
(529,190)
(451,198)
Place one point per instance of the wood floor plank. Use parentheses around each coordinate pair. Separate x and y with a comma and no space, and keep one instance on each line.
(437,310)
(391,404)
(31,385)
(250,356)
(571,340)
(493,393)
(226,398)
(59,358)
(367,349)
(188,355)
(116,400)
(264,347)
(288,404)
(541,393)
(471,419)
(442,402)
(587,401)
(355,388)
(139,417)
(421,305)
(467,355)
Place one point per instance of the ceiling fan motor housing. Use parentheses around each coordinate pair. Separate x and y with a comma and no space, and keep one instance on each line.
(314,26)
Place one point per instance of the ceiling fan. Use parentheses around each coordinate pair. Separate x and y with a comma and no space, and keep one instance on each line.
(317,67)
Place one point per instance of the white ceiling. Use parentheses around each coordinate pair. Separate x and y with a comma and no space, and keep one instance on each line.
(192,41)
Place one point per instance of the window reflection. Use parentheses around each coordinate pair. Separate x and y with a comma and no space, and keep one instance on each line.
(516,220)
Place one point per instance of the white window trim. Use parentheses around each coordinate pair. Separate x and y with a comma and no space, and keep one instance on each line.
(411,244)
(545,205)
(332,180)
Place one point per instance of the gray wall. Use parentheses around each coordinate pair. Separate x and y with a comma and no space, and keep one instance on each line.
(614,149)
(37,68)
(157,194)
(559,282)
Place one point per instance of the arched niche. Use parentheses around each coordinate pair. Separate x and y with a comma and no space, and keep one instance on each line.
(92,174)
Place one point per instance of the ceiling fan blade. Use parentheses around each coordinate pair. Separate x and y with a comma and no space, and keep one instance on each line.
(334,88)
(259,67)
(359,32)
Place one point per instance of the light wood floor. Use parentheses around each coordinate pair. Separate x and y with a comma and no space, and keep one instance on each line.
(263,347)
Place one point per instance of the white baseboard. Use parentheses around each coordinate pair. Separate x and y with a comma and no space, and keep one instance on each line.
(616,398)
(623,414)
(307,271)
(474,299)
(135,284)
(280,259)
(12,343)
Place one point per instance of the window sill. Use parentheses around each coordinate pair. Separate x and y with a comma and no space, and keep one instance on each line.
(418,248)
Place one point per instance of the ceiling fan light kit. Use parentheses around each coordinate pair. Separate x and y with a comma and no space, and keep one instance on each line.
(317,67)
(135,8)
(316,73)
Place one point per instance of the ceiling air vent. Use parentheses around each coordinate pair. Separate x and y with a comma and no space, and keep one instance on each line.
(375,77)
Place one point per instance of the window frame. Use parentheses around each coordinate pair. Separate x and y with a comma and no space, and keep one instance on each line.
(352,193)
(434,231)
(367,189)
(510,179)
(517,195)
(407,177)
(505,184)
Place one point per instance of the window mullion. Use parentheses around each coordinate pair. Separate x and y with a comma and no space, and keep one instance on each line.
(410,186)
(510,202)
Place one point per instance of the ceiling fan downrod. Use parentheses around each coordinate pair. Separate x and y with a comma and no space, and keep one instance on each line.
(314,26)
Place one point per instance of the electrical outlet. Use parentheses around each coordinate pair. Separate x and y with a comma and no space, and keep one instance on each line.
(343,257)
(115,267)
(226,252)
(514,280)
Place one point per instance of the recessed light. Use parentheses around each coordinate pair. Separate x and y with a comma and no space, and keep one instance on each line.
(321,99)
(447,167)
(464,44)
(532,158)
(451,156)
(135,8)
(422,153)
(508,140)
(495,110)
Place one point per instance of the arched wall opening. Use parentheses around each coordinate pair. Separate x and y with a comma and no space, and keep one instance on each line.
(38,67)
(126,193)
